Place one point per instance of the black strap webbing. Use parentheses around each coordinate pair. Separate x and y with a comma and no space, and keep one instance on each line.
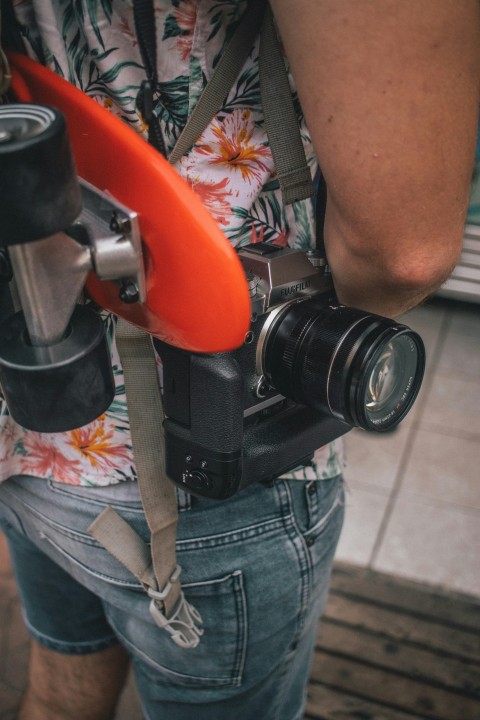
(145,27)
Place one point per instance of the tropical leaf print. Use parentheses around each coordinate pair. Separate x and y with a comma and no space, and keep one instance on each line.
(74,15)
(245,92)
(93,44)
(263,222)
(172,104)
(197,82)
(44,458)
(126,476)
(224,17)
(38,48)
(93,68)
(172,28)
(107,77)
(302,222)
(180,24)
(96,444)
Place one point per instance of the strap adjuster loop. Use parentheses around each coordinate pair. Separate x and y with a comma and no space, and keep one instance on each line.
(158,596)
(182,626)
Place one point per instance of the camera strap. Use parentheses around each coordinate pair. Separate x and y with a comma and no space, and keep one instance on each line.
(216,90)
(281,122)
(155,567)
(145,27)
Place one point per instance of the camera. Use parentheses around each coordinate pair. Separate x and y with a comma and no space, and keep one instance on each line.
(308,371)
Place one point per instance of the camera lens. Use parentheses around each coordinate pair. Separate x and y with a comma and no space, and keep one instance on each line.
(391,380)
(364,369)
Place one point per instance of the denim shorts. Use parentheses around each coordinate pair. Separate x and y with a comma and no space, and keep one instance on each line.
(256,567)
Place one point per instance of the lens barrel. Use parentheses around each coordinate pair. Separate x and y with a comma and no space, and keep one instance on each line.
(362,368)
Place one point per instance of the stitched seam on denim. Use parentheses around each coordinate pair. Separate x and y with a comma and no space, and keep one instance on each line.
(242,625)
(214,581)
(67,532)
(188,680)
(230,537)
(235,677)
(300,716)
(67,643)
(216,540)
(100,576)
(304,559)
(135,507)
(311,502)
(281,673)
(338,502)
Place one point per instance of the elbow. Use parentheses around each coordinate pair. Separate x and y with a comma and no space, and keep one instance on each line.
(423,269)
(389,271)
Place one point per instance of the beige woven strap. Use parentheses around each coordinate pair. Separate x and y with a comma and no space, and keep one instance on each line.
(281,121)
(156,570)
(221,82)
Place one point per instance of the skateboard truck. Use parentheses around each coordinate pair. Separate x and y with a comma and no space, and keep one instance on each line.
(195,296)
(55,368)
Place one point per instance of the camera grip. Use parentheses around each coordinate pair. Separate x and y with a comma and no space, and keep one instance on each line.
(203,428)
(286,440)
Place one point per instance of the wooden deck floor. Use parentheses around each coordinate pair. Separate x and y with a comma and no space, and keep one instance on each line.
(387,650)
(395,650)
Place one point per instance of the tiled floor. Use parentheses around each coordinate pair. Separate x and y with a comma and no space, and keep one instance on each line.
(413,501)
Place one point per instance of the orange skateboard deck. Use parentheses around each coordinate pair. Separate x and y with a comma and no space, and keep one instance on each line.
(197,297)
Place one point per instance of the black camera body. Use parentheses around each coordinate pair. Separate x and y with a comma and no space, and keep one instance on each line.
(298,381)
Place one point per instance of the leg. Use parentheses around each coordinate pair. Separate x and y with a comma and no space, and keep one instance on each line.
(256,568)
(73,687)
(77,668)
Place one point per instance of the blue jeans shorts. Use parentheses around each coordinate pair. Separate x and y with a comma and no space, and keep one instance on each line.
(256,567)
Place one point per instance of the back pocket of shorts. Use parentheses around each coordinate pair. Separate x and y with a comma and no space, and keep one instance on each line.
(217,662)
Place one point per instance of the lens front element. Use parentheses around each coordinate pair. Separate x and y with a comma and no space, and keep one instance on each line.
(364,369)
(386,395)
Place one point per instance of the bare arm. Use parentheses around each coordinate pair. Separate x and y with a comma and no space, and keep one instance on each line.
(390,91)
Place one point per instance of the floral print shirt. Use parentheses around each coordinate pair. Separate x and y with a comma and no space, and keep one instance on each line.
(92,43)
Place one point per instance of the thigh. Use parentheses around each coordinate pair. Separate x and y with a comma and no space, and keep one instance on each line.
(256,567)
(60,613)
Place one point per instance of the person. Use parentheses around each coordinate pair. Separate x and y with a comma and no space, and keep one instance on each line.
(389,97)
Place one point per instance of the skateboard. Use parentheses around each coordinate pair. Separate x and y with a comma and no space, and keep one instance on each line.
(196,295)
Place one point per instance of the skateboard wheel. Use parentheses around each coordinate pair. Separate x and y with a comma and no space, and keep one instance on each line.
(61,386)
(38,182)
